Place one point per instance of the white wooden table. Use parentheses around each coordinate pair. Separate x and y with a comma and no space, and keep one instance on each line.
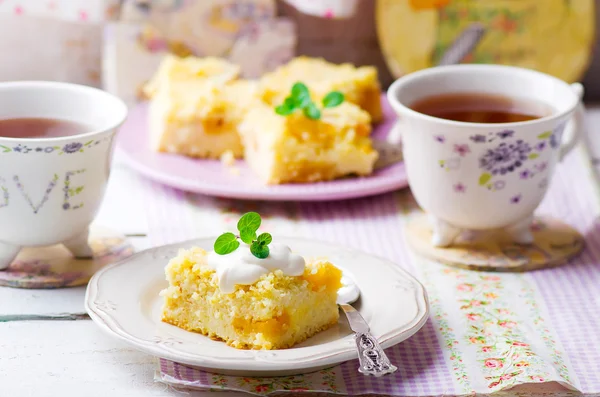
(47,346)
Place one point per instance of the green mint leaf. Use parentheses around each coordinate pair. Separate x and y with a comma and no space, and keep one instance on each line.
(226,243)
(303,102)
(247,235)
(300,91)
(289,101)
(265,238)
(333,99)
(300,95)
(261,251)
(284,110)
(288,107)
(249,223)
(312,112)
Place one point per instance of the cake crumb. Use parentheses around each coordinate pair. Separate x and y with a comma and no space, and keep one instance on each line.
(228,158)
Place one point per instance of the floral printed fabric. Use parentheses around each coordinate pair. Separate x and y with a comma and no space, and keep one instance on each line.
(501,330)
(325,381)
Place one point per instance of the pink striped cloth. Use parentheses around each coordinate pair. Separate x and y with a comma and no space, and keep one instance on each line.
(549,329)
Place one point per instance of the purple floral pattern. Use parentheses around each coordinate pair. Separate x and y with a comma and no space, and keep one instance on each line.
(492,136)
(505,134)
(512,156)
(507,155)
(70,192)
(70,148)
(540,146)
(478,138)
(556,137)
(505,158)
(515,199)
(49,189)
(525,174)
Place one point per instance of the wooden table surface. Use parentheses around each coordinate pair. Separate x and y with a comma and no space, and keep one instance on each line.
(48,347)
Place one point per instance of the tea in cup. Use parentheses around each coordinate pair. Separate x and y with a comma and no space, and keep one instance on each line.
(56,145)
(480,143)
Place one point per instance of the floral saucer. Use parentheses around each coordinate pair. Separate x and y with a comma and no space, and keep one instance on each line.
(55,267)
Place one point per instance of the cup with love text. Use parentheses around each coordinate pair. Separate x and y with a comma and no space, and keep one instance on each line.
(56,145)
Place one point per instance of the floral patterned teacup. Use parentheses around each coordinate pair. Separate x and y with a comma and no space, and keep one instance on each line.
(51,188)
(475,176)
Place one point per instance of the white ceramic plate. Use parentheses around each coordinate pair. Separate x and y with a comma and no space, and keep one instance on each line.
(123,300)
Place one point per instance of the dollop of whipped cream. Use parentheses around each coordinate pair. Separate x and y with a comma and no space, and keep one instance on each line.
(348,292)
(243,268)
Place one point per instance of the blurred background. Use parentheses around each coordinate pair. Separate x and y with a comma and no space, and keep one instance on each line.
(117,44)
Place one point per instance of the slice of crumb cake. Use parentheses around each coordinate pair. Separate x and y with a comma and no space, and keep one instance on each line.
(199,118)
(249,300)
(295,148)
(196,105)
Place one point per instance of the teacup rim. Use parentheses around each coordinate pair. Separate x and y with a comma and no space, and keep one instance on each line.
(74,86)
(400,107)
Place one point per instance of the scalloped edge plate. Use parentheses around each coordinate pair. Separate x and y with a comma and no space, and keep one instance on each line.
(123,300)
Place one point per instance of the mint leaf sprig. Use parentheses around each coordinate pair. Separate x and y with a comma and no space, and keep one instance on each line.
(299,99)
(248,225)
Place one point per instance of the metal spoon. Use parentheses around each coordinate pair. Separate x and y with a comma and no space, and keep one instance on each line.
(372,358)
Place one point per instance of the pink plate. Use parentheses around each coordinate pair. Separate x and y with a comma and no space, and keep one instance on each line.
(212,178)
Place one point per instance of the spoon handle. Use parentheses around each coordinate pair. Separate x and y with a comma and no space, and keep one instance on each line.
(463,45)
(372,358)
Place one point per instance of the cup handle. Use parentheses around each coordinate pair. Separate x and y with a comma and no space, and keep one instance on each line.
(576,126)
(395,135)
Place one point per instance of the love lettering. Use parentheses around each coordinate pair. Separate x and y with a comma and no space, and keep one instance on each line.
(69,190)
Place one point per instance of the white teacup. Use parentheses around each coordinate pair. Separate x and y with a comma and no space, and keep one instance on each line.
(51,188)
(472,176)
